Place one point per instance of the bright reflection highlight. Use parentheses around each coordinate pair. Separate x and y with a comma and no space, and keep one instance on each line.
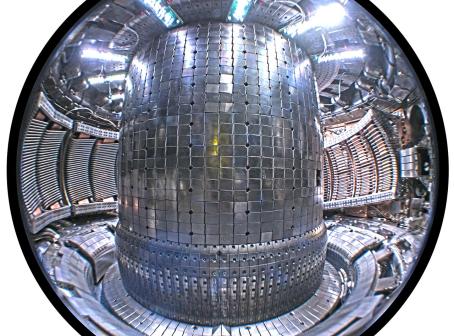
(117,96)
(328,16)
(129,86)
(239,10)
(103,55)
(343,55)
(107,79)
(164,13)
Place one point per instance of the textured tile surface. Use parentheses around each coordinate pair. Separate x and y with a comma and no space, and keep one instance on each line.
(220,176)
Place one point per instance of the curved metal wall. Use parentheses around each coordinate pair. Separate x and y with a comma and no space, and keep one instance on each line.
(362,164)
(56,163)
(220,199)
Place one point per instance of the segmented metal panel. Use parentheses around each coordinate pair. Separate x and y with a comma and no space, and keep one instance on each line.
(103,171)
(95,131)
(220,129)
(48,164)
(341,163)
(201,10)
(78,169)
(220,145)
(29,185)
(363,164)
(319,306)
(211,285)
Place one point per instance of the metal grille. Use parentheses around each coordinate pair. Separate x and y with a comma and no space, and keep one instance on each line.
(212,285)
(363,164)
(48,164)
(78,169)
(29,186)
(103,171)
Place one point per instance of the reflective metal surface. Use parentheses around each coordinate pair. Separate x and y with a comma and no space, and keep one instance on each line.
(228,168)
(221,147)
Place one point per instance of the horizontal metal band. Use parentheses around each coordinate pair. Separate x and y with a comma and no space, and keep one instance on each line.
(232,285)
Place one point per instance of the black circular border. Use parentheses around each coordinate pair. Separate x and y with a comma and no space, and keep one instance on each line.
(440,191)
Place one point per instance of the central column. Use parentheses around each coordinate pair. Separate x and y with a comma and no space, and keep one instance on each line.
(220,196)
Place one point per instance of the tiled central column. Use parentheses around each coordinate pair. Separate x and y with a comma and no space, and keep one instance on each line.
(220,170)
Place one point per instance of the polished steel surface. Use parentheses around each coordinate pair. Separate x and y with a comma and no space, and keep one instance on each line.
(364,264)
(304,317)
(232,285)
(220,146)
(264,183)
(361,164)
(67,168)
(220,131)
